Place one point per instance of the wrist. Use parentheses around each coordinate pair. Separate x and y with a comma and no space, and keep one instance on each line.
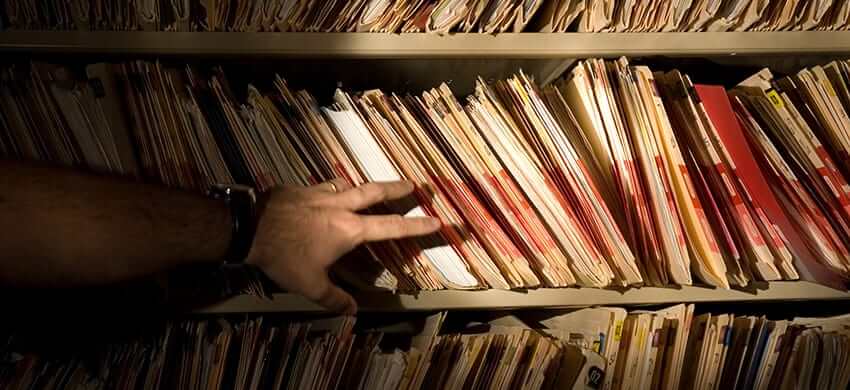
(255,257)
(241,203)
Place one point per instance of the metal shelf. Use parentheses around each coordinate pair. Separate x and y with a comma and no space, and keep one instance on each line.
(365,45)
(460,46)
(541,298)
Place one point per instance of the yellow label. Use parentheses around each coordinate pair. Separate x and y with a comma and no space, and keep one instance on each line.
(618,330)
(775,99)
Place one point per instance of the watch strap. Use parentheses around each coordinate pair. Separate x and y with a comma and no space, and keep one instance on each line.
(241,200)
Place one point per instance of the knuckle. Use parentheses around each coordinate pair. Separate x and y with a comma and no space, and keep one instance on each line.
(283,194)
(348,226)
(361,194)
(397,221)
(375,192)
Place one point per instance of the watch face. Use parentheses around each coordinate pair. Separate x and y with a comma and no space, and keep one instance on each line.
(227,191)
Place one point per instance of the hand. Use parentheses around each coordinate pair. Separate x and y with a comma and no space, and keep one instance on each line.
(304,230)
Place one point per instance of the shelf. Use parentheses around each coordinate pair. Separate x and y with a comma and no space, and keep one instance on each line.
(365,45)
(541,298)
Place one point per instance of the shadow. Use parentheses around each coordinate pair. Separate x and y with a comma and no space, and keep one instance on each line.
(404,205)
(621,289)
(359,270)
(753,287)
(70,320)
(382,302)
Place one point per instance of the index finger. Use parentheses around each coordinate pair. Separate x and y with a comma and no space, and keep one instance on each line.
(370,194)
(389,227)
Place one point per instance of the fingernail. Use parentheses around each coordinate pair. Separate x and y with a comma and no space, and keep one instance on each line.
(435,223)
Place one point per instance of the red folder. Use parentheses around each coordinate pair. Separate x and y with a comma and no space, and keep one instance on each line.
(720,112)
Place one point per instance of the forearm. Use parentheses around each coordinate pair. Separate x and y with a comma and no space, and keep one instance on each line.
(65,228)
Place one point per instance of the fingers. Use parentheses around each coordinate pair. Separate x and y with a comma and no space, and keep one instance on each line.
(370,194)
(388,227)
(334,298)
(322,194)
(337,185)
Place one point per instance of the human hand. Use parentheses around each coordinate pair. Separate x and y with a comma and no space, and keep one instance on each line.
(304,230)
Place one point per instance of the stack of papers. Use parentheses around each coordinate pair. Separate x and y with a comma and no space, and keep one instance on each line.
(664,155)
(617,114)
(594,348)
(711,15)
(432,16)
(739,234)
(91,109)
(798,127)
(613,176)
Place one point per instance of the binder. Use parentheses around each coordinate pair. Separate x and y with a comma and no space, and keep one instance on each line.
(816,169)
(717,169)
(708,261)
(761,196)
(741,330)
(641,117)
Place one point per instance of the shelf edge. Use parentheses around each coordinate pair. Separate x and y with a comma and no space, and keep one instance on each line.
(540,298)
(369,45)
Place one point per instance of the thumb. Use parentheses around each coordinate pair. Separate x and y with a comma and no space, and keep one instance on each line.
(333,298)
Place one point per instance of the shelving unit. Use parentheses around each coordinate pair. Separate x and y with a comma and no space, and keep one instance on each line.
(199,82)
(553,51)
(364,45)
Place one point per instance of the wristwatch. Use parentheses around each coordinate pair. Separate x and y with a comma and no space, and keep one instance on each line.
(242,202)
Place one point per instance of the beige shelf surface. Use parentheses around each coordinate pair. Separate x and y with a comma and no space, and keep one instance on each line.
(540,298)
(365,45)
